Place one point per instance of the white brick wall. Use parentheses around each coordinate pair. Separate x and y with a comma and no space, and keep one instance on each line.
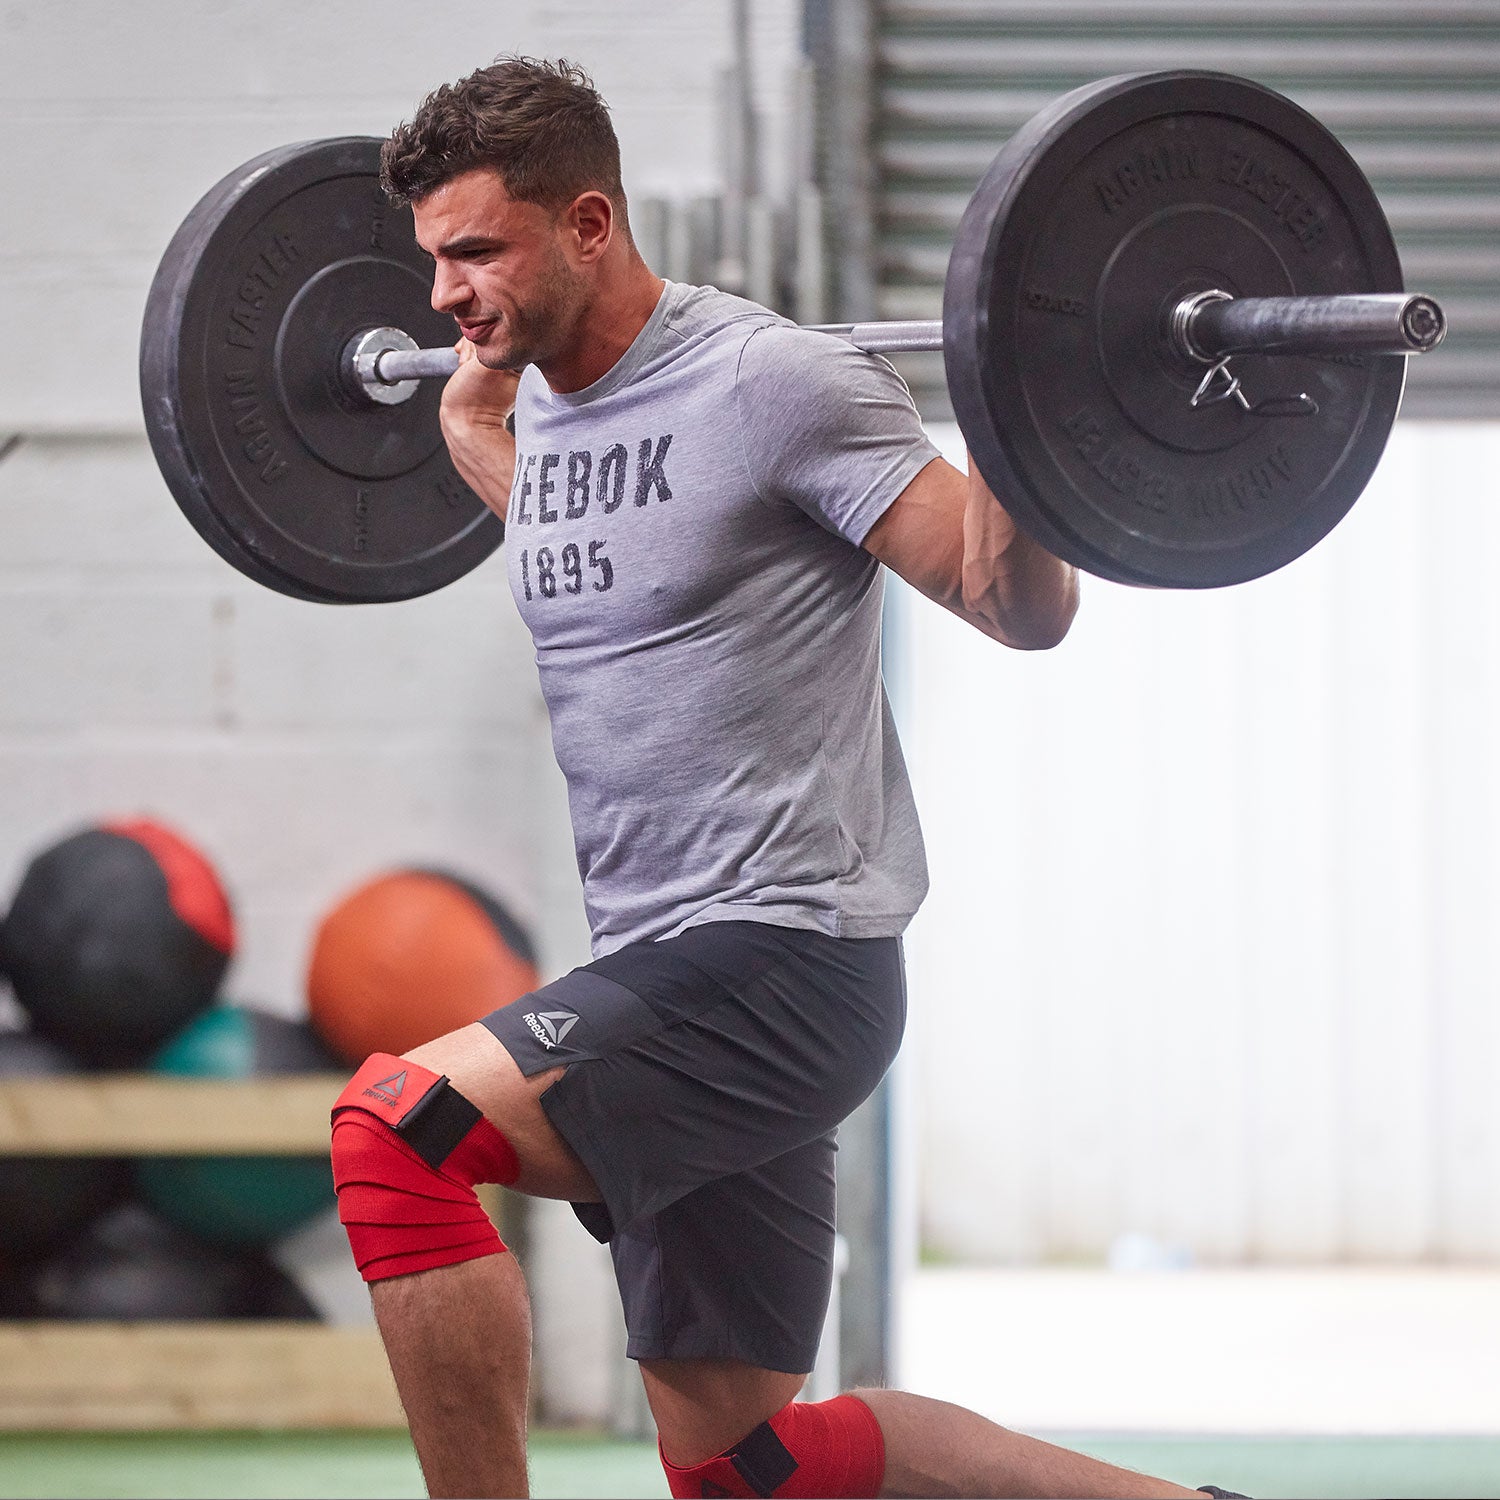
(304,746)
(119,117)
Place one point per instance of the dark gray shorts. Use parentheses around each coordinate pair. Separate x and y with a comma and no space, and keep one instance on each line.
(707,1075)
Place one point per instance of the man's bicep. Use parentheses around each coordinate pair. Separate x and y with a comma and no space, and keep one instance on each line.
(920,537)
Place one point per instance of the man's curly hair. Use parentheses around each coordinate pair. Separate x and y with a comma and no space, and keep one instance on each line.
(540,124)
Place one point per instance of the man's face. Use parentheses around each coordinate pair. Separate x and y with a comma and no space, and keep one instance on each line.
(501,269)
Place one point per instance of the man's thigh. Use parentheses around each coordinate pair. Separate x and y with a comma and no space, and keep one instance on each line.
(739,1270)
(487,1076)
(685,1095)
(697,1058)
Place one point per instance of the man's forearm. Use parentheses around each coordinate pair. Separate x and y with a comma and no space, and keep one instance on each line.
(1013,588)
(485,456)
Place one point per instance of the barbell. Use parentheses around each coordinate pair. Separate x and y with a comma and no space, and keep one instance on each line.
(1173,328)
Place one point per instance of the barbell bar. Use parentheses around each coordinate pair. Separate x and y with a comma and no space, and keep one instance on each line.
(1204,327)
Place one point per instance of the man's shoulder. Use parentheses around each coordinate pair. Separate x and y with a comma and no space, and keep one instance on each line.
(784,348)
(706,313)
(753,347)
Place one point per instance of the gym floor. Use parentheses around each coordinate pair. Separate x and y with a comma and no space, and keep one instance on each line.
(374,1465)
(1399,1364)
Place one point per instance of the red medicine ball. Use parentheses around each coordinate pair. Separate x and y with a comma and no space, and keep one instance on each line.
(410,956)
(116,938)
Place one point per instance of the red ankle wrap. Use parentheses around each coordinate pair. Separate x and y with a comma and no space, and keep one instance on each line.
(833,1448)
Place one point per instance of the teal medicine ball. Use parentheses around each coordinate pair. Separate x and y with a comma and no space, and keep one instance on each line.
(240,1200)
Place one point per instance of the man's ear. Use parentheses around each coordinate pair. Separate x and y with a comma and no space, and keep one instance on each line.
(591,220)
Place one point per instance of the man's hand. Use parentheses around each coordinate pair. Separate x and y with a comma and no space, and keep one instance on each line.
(476,402)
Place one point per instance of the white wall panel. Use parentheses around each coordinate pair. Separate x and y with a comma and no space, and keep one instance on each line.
(1212,928)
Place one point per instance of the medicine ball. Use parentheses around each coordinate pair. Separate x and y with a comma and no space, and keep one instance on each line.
(117,937)
(44,1199)
(240,1200)
(410,956)
(132,1265)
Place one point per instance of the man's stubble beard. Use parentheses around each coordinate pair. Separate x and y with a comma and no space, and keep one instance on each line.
(543,327)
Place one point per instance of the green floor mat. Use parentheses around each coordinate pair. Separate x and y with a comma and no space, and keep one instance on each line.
(1330,1467)
(294,1465)
(372,1466)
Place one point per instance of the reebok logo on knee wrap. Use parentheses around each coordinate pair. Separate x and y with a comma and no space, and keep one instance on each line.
(408,1149)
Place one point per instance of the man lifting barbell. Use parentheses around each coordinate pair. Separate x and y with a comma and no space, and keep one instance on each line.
(1166,324)
(697,501)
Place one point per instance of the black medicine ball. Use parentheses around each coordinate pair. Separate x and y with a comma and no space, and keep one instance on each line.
(117,936)
(131,1265)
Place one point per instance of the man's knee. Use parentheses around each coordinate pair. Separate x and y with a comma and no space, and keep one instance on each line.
(827,1448)
(408,1149)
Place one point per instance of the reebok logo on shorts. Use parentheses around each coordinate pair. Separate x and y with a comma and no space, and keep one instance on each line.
(551,1027)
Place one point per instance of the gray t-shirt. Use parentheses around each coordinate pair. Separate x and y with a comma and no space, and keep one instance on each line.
(683,543)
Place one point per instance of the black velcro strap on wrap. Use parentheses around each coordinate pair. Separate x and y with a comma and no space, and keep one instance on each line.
(437,1122)
(763,1461)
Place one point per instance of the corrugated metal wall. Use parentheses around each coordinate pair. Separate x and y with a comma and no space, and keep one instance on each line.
(1411,88)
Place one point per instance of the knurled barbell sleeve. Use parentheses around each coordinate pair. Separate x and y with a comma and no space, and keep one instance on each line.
(415,364)
(1211,326)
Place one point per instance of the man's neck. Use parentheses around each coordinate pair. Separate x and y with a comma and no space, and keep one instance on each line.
(611,325)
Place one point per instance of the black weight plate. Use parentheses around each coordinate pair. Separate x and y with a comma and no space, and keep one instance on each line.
(1094,220)
(297,485)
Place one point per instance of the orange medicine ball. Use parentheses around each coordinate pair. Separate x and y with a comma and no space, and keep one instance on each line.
(410,956)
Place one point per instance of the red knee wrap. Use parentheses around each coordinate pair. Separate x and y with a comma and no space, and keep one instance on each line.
(407,1151)
(833,1448)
